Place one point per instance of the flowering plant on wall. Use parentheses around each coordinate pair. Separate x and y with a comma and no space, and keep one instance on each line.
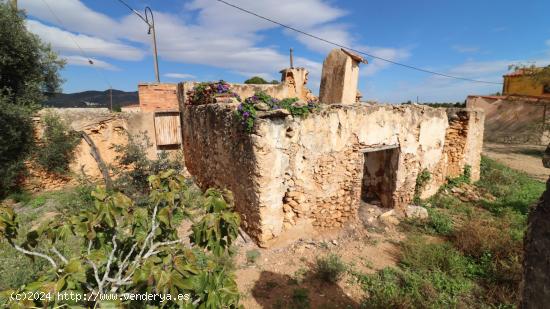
(261,101)
(209,92)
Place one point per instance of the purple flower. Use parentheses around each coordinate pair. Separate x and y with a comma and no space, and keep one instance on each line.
(240,107)
(246,114)
(276,107)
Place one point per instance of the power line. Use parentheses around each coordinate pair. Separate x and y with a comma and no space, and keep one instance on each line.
(352,49)
(90,61)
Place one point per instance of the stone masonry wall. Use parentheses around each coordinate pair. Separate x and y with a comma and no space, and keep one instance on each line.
(158,97)
(294,171)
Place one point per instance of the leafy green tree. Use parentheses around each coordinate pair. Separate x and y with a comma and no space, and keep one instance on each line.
(256,80)
(58,144)
(16,140)
(29,68)
(132,249)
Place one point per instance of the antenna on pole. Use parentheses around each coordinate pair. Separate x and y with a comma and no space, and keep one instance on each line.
(291,58)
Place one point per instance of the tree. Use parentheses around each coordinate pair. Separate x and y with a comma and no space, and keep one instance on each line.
(541,75)
(127,248)
(256,80)
(16,141)
(29,68)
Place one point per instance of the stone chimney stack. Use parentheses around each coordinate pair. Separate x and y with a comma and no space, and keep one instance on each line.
(340,77)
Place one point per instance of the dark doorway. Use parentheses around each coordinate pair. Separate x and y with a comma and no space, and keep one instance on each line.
(379,175)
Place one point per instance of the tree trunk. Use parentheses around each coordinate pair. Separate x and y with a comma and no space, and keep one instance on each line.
(100,163)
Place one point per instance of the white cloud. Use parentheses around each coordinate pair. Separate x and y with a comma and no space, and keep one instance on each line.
(179,75)
(64,41)
(465,49)
(211,34)
(83,61)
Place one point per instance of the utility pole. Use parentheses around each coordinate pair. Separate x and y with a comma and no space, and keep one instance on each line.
(151,24)
(291,58)
(152,27)
(14,5)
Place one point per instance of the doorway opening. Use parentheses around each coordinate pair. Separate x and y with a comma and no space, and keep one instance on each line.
(379,175)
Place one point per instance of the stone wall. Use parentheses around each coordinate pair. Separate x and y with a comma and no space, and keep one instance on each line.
(514,119)
(105,129)
(311,170)
(158,97)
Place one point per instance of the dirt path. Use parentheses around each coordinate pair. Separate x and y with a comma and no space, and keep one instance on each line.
(525,158)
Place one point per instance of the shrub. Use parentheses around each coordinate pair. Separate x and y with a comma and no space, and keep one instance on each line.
(252,256)
(330,268)
(133,166)
(135,249)
(16,142)
(57,146)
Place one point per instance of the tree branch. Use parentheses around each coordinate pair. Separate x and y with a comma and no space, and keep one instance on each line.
(100,163)
(59,255)
(36,254)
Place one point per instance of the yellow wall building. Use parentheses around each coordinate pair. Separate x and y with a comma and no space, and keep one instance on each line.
(520,83)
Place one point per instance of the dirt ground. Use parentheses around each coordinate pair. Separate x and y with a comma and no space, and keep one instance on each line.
(525,158)
(280,274)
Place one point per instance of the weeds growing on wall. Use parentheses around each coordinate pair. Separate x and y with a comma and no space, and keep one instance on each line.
(58,143)
(421,182)
(247,111)
(207,92)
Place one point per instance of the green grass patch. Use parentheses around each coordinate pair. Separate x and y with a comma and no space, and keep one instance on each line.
(477,258)
(513,189)
(429,276)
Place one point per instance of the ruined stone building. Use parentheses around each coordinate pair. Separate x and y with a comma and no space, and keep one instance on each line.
(294,172)
(315,170)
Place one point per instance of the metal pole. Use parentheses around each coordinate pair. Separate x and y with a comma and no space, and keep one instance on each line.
(291,58)
(152,27)
(111,95)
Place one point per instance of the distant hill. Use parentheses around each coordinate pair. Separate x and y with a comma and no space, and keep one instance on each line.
(93,98)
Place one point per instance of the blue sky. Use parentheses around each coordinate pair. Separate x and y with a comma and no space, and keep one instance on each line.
(206,40)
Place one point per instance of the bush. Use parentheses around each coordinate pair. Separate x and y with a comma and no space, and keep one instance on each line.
(16,142)
(57,146)
(330,268)
(133,166)
(126,248)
